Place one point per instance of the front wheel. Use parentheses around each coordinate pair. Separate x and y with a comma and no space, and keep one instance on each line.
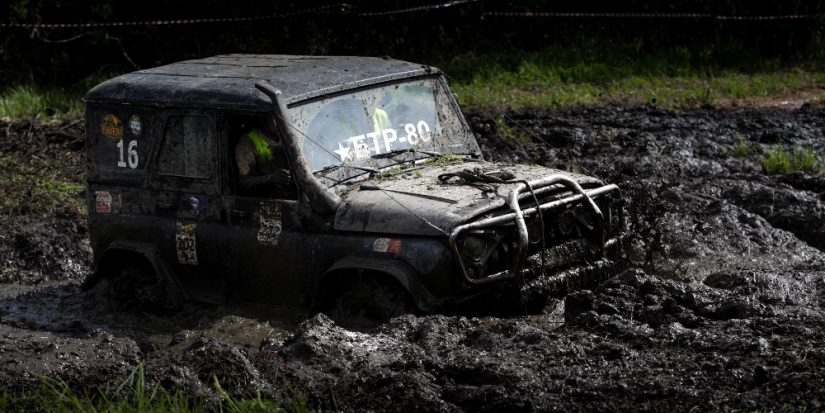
(362,302)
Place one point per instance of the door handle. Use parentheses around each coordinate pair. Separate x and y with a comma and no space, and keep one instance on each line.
(165,205)
(238,213)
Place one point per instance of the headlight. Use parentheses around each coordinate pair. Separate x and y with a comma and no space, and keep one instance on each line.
(474,248)
(588,217)
(567,221)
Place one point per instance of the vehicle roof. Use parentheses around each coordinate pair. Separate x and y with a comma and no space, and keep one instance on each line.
(228,81)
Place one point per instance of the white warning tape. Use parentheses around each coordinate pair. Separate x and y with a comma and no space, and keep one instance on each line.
(645,15)
(412,9)
(168,22)
(345,6)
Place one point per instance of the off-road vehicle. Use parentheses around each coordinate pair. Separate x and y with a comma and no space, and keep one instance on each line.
(391,207)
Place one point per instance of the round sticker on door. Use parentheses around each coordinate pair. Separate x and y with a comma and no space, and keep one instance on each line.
(112,128)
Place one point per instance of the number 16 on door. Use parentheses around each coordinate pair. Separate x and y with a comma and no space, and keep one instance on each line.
(132,157)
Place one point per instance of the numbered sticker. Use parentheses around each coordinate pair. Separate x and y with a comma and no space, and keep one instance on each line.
(270,216)
(131,156)
(185,243)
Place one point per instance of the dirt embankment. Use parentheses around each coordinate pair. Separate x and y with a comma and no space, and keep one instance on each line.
(722,308)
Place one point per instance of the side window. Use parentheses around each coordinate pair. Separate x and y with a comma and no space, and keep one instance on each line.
(187,147)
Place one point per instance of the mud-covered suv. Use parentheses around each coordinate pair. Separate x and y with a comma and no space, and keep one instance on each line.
(391,207)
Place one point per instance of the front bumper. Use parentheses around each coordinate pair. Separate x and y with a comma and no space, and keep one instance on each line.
(609,239)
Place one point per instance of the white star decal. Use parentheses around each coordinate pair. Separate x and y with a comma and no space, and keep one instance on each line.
(342,151)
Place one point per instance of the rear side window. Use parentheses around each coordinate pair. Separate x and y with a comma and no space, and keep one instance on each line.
(187,147)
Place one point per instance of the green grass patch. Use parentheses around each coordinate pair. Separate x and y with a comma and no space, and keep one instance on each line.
(595,74)
(443,159)
(392,172)
(40,101)
(606,75)
(134,395)
(35,102)
(741,149)
(779,160)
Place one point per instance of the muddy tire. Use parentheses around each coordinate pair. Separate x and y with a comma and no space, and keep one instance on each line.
(364,302)
(134,288)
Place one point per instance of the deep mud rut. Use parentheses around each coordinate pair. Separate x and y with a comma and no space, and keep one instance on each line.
(722,308)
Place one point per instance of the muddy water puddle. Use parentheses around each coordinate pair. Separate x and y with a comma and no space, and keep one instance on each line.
(60,309)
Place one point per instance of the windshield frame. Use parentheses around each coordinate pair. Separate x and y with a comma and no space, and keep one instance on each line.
(447,109)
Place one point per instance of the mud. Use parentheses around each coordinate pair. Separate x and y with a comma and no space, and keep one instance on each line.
(43,232)
(721,309)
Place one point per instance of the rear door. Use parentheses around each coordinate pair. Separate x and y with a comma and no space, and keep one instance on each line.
(119,144)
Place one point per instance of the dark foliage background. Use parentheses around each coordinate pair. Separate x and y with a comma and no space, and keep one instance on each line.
(429,36)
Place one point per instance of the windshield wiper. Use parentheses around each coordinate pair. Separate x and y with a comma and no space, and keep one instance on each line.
(468,159)
(334,167)
(343,165)
(391,153)
(427,152)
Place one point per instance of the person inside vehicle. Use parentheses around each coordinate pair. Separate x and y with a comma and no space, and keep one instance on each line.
(261,161)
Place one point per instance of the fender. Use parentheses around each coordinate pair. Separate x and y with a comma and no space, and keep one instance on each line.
(398,270)
(148,251)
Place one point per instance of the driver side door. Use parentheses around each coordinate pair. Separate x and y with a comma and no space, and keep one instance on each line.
(260,233)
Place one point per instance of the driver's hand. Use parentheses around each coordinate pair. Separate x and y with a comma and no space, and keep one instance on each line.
(280,176)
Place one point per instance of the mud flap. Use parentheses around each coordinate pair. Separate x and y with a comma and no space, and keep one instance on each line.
(400,271)
(151,253)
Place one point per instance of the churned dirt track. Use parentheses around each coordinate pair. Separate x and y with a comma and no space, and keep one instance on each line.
(722,308)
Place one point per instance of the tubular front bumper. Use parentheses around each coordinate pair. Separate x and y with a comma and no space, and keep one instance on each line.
(517,216)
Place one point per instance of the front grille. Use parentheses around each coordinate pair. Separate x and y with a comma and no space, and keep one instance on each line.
(561,255)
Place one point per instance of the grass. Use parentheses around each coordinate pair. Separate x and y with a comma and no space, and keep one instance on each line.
(595,74)
(133,394)
(741,149)
(36,102)
(443,159)
(607,75)
(658,155)
(778,160)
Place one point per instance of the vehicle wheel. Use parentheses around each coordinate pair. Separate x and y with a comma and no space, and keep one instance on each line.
(133,288)
(364,302)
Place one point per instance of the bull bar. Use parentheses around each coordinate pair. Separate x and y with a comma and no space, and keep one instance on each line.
(517,216)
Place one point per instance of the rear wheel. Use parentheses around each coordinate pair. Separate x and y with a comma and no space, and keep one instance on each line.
(134,288)
(362,302)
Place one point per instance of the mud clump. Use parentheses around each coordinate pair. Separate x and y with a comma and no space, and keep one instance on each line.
(721,308)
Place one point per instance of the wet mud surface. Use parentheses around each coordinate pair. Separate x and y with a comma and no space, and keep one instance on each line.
(42,227)
(721,307)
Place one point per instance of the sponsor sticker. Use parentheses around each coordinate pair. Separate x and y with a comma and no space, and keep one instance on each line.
(386,245)
(185,243)
(270,216)
(112,128)
(106,203)
(193,206)
(135,125)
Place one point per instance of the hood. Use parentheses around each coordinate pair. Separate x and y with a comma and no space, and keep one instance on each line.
(421,199)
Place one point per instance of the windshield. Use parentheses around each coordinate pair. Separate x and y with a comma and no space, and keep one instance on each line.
(353,128)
